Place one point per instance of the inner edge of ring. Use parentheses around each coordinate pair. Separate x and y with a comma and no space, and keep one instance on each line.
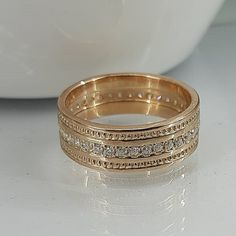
(68,101)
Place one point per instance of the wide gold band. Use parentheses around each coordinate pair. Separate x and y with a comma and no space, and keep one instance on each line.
(130,147)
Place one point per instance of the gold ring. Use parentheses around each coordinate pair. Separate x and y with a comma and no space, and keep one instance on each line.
(128,147)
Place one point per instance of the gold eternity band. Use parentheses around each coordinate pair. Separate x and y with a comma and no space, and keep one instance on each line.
(128,147)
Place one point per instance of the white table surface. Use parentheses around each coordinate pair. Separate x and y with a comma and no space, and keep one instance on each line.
(44,193)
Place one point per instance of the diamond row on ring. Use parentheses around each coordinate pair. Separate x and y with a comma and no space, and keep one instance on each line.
(110,151)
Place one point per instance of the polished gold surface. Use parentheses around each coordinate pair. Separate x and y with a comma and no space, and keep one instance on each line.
(128,147)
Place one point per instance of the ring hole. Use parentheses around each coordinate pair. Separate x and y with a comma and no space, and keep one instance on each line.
(119,95)
(140,95)
(149,96)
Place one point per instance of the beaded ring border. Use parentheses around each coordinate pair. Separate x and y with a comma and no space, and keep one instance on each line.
(134,147)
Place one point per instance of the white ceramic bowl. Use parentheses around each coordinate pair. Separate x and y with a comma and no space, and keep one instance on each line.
(48,44)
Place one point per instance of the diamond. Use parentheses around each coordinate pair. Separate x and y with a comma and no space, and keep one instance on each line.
(146,150)
(188,137)
(179,141)
(157,147)
(77,142)
(134,151)
(70,139)
(122,152)
(194,132)
(84,146)
(169,145)
(65,136)
(97,149)
(109,151)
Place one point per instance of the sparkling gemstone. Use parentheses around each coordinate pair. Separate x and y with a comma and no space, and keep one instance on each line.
(122,152)
(70,139)
(109,151)
(146,150)
(65,136)
(169,145)
(194,132)
(188,137)
(157,147)
(77,142)
(179,142)
(84,146)
(134,151)
(98,149)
